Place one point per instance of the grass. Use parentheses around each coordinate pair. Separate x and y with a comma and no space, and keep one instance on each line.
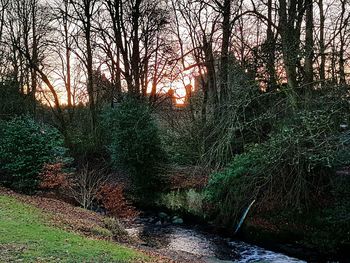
(26,237)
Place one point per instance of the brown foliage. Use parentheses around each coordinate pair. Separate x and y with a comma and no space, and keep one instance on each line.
(52,177)
(113,200)
(188,177)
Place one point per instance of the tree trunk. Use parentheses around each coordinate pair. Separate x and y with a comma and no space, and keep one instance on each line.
(89,66)
(322,44)
(33,73)
(289,28)
(309,44)
(270,41)
(67,47)
(211,90)
(226,11)
(342,44)
(135,58)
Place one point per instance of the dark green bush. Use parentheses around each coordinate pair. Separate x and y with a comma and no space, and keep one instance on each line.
(132,137)
(12,102)
(290,169)
(25,146)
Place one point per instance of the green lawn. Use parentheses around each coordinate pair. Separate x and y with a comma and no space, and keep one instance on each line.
(24,237)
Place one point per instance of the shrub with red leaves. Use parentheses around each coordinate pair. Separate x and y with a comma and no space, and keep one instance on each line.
(113,200)
(53,177)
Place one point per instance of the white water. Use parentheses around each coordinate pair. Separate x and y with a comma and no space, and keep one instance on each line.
(251,253)
(200,245)
(208,247)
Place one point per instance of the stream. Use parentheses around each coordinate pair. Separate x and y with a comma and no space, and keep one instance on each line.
(187,243)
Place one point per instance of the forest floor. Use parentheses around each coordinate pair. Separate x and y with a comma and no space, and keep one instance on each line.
(39,229)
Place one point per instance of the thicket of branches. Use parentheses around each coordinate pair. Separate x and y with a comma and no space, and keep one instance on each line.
(258,68)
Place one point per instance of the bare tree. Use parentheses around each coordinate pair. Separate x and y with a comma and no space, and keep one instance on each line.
(135,30)
(322,70)
(225,9)
(271,48)
(3,7)
(85,185)
(84,12)
(290,18)
(309,43)
(62,12)
(344,20)
(29,34)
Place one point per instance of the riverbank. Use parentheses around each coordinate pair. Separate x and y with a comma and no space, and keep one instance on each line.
(285,237)
(189,242)
(39,229)
(152,237)
(310,237)
(320,235)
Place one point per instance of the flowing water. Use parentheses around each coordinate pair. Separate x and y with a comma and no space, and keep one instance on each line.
(192,243)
